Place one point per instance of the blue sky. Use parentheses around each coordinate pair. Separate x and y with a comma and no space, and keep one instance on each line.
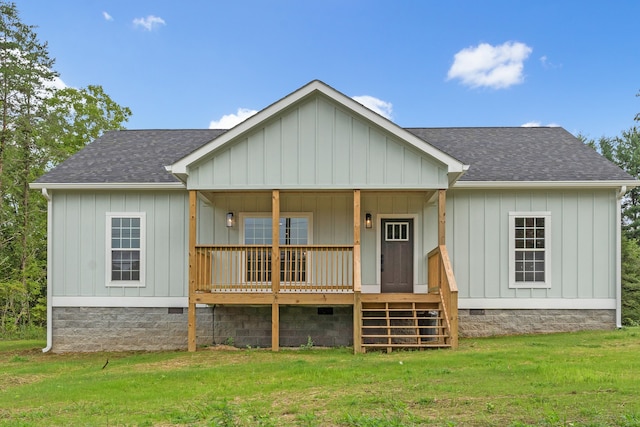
(188,64)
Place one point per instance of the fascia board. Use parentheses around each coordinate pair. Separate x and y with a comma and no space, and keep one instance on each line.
(545,184)
(181,166)
(107,186)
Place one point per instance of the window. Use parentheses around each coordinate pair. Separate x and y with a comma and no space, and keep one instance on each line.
(529,247)
(294,230)
(397,231)
(125,249)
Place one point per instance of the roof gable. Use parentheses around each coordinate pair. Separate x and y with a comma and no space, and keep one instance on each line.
(317,143)
(279,112)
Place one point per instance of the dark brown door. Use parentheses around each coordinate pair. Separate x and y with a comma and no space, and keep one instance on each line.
(396,256)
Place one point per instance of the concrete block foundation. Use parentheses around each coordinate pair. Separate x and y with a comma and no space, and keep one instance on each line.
(86,329)
(251,326)
(484,322)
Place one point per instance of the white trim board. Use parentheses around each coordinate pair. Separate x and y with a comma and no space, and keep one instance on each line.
(108,185)
(463,303)
(538,303)
(544,184)
(120,302)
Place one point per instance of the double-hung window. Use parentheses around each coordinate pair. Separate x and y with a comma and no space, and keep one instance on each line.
(529,249)
(125,249)
(294,230)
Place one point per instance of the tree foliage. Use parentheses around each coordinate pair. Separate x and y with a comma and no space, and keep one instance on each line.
(630,282)
(624,150)
(40,126)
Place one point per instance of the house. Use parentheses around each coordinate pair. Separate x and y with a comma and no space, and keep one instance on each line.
(319,219)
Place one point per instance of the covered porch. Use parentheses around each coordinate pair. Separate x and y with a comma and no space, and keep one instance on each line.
(281,274)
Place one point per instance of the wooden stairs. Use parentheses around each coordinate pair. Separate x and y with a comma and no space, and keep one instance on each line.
(391,323)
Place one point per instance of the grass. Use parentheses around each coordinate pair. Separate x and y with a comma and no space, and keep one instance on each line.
(580,379)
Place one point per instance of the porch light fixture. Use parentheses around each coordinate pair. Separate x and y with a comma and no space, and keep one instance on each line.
(368,223)
(230,220)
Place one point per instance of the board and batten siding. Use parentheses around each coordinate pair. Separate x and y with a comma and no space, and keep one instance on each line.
(332,222)
(79,246)
(332,215)
(583,245)
(317,145)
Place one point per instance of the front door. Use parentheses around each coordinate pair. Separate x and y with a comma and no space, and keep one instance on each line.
(396,256)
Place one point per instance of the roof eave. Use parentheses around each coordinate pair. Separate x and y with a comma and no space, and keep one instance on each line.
(546,184)
(107,185)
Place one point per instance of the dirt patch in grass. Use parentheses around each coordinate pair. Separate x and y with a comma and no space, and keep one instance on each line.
(223,347)
(8,381)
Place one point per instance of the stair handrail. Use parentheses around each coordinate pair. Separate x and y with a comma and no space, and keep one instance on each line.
(447,288)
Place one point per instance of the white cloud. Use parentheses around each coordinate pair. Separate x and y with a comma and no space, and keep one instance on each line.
(107,17)
(55,83)
(537,125)
(385,109)
(548,64)
(149,23)
(230,120)
(496,67)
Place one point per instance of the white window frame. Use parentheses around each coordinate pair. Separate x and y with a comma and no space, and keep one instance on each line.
(307,215)
(547,250)
(108,272)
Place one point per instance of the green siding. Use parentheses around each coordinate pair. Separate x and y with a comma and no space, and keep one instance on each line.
(582,240)
(316,144)
(583,233)
(79,247)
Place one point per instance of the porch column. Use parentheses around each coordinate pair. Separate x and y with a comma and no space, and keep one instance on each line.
(442,203)
(275,269)
(357,276)
(191,337)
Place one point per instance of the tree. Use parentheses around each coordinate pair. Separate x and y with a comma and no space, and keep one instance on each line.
(624,151)
(630,282)
(40,127)
(78,116)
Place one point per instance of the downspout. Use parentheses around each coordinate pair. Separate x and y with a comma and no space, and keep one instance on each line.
(47,196)
(619,197)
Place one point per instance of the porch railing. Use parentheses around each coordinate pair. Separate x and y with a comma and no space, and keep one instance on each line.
(442,281)
(247,268)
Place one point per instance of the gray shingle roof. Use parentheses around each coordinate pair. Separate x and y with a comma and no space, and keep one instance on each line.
(522,154)
(494,154)
(134,156)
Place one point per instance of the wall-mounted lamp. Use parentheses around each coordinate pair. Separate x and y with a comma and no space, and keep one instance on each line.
(230,220)
(368,222)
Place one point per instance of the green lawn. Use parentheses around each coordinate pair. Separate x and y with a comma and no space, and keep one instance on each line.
(581,379)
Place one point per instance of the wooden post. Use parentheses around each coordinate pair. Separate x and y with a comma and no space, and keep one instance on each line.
(357,271)
(275,269)
(357,276)
(191,336)
(357,322)
(453,303)
(442,205)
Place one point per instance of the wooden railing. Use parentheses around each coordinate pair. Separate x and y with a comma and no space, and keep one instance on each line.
(442,280)
(247,268)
